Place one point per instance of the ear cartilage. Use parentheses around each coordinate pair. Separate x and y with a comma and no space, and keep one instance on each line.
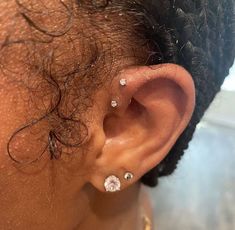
(114,104)
(112,184)
(128,176)
(123,82)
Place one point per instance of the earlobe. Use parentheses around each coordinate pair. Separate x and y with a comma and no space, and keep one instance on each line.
(141,133)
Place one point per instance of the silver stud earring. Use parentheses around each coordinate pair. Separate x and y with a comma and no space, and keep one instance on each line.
(128,176)
(112,184)
(123,82)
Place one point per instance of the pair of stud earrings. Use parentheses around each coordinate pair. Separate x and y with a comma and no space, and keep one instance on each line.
(113,184)
(122,82)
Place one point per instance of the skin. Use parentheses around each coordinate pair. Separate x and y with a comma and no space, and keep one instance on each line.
(154,109)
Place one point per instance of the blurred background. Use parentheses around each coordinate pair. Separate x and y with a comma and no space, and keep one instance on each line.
(200,195)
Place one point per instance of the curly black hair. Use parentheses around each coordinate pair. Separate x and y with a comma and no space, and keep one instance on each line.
(196,34)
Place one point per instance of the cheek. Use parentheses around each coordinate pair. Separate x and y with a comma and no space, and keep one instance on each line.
(31,192)
(16,111)
(26,122)
(12,113)
(27,141)
(20,188)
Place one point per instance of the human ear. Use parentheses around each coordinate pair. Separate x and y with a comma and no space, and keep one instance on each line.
(154,108)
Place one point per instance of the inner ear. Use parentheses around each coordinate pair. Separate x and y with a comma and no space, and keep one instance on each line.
(115,125)
(161,90)
(142,114)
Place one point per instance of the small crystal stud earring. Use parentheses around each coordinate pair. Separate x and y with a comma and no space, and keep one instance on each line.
(114,104)
(112,184)
(128,176)
(123,82)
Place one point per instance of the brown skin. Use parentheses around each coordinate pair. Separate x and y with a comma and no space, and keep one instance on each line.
(68,193)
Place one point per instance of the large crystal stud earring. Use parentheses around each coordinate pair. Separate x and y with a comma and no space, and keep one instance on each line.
(112,184)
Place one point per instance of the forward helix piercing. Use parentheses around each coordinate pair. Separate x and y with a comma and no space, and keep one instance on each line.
(114,103)
(123,82)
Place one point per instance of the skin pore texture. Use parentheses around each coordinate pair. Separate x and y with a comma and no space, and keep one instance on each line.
(60,67)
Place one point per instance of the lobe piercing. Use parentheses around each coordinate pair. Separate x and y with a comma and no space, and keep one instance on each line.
(123,82)
(112,184)
(128,176)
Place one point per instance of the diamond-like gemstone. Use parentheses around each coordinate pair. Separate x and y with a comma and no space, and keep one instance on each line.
(123,82)
(112,184)
(114,104)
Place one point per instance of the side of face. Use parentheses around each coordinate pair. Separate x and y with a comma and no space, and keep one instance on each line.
(62,84)
(32,194)
(52,70)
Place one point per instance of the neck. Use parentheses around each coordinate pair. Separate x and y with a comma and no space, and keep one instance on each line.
(117,211)
(67,208)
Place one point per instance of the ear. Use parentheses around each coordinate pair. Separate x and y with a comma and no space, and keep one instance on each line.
(153,109)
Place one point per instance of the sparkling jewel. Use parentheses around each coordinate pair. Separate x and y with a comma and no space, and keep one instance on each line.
(112,184)
(128,176)
(123,82)
(114,104)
